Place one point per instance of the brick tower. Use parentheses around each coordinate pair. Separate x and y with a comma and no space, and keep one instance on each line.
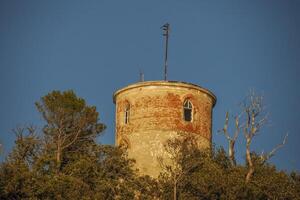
(149,113)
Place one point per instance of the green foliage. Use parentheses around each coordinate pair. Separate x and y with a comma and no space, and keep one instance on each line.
(15,174)
(210,175)
(70,130)
(70,113)
(64,161)
(88,170)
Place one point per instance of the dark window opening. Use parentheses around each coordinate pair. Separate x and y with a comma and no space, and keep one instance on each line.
(126,117)
(187,111)
(188,115)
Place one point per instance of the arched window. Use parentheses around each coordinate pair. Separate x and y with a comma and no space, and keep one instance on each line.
(126,114)
(187,110)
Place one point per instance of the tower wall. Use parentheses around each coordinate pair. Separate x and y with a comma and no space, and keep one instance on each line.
(156,114)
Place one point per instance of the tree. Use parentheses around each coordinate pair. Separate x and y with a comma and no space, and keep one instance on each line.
(89,170)
(69,122)
(254,117)
(64,160)
(173,167)
(202,175)
(189,171)
(15,172)
(231,140)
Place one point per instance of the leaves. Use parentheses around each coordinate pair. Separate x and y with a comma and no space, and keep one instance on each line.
(209,175)
(89,170)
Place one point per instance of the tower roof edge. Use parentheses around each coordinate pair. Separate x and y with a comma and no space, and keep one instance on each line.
(165,83)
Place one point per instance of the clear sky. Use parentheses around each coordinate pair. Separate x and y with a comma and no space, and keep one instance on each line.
(97,47)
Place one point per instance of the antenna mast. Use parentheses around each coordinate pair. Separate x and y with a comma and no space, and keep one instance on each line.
(166,29)
(141,76)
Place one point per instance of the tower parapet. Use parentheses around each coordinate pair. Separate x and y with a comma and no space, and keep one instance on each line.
(149,113)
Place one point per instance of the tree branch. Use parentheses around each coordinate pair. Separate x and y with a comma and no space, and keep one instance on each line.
(267,156)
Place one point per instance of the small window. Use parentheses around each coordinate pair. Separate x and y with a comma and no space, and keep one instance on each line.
(126,114)
(187,110)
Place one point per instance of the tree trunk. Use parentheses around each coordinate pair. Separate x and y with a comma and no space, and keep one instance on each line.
(175,190)
(58,156)
(231,152)
(249,160)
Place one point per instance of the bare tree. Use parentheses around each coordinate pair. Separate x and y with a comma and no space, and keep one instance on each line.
(231,140)
(255,118)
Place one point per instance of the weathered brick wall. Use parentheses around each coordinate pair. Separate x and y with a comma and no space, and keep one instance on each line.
(156,114)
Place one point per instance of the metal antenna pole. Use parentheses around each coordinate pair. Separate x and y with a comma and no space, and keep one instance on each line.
(141,76)
(166,29)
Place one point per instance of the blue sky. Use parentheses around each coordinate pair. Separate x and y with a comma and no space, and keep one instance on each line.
(96,47)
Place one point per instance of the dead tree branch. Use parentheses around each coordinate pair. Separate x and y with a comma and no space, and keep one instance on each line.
(266,156)
(255,118)
(231,140)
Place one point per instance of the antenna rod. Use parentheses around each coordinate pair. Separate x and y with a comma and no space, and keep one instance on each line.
(166,28)
(141,76)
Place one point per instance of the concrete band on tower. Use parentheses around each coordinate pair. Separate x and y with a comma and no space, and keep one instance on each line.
(149,113)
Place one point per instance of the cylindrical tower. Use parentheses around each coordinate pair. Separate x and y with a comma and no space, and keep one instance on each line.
(149,113)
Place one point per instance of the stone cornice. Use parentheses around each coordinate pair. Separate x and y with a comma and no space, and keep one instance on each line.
(165,83)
